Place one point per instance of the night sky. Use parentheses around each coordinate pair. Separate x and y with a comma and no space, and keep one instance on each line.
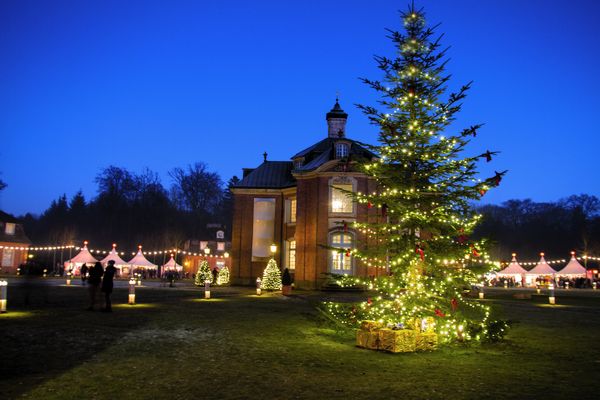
(162,84)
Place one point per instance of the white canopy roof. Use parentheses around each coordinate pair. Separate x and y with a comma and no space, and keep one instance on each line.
(573,268)
(172,265)
(140,261)
(114,256)
(542,268)
(514,268)
(83,257)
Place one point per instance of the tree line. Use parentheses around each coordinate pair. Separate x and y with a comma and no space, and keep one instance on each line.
(528,228)
(132,209)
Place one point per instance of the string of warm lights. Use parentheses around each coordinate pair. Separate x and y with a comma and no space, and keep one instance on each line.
(122,253)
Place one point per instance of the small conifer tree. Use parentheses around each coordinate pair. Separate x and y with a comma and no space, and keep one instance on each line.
(203,274)
(223,277)
(271,276)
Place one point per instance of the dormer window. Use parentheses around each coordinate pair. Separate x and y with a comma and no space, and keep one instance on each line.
(298,163)
(10,228)
(341,150)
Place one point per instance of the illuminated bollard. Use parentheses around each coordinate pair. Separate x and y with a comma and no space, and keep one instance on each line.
(3,289)
(537,289)
(139,279)
(132,291)
(594,286)
(567,285)
(505,284)
(69,278)
(481,293)
(207,289)
(45,272)
(18,271)
(258,286)
(551,298)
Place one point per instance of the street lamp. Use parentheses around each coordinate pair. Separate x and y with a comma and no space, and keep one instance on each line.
(3,289)
(131,291)
(207,289)
(258,286)
(273,248)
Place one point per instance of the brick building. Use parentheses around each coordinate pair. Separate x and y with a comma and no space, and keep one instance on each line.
(300,205)
(14,244)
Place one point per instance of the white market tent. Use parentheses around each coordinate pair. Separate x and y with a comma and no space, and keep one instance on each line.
(573,268)
(171,265)
(114,256)
(514,269)
(139,261)
(83,257)
(542,268)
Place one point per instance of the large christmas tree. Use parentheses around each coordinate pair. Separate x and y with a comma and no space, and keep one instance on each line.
(421,218)
(203,274)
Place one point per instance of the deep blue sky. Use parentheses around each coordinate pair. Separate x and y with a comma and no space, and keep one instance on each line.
(161,84)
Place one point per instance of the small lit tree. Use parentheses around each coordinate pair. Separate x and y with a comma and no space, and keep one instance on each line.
(271,276)
(203,274)
(223,277)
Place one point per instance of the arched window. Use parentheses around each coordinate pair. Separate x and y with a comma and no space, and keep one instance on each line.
(340,260)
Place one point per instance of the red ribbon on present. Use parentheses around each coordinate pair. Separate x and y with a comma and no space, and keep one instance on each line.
(439,313)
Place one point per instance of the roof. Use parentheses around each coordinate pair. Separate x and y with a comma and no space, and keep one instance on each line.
(336,112)
(270,174)
(6,217)
(573,268)
(140,261)
(83,257)
(542,268)
(114,256)
(323,151)
(514,268)
(172,265)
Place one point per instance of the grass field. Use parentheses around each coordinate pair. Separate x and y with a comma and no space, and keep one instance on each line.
(238,346)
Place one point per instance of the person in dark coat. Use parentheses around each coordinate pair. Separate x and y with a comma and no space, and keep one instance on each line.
(83,272)
(107,285)
(94,279)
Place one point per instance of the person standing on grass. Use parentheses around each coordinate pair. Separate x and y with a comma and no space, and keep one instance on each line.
(94,279)
(107,285)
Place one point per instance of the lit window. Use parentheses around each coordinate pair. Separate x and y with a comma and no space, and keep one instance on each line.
(291,210)
(203,245)
(341,150)
(8,256)
(10,228)
(291,255)
(341,261)
(220,246)
(341,200)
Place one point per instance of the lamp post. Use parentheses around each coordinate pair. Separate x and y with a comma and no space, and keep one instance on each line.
(551,298)
(481,293)
(69,278)
(131,291)
(3,290)
(207,289)
(258,288)
(594,285)
(273,249)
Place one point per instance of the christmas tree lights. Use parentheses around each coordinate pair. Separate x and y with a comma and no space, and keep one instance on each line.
(271,276)
(420,218)
(223,276)
(203,274)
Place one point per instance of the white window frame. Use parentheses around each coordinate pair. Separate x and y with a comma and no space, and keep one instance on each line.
(290,254)
(336,257)
(220,246)
(291,208)
(342,150)
(340,202)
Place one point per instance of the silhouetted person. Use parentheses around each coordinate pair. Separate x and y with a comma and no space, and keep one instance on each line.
(83,271)
(215,274)
(107,285)
(94,279)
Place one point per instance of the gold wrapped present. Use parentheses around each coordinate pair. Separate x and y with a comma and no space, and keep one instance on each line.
(367,339)
(427,325)
(426,341)
(370,325)
(397,341)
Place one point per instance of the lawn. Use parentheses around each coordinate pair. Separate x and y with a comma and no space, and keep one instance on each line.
(238,346)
